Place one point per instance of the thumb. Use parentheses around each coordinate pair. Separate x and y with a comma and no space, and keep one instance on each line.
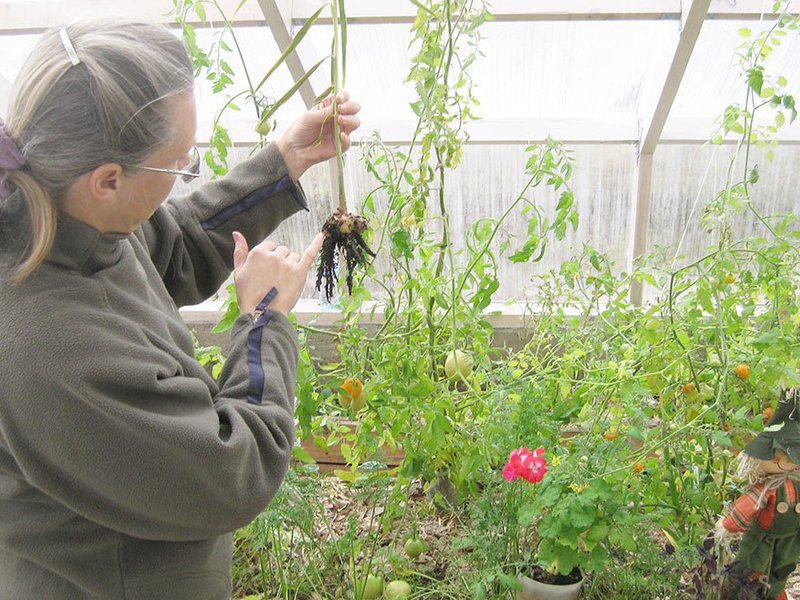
(311,252)
(240,250)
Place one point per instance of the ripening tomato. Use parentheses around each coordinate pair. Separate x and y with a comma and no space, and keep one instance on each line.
(611,434)
(743,370)
(730,278)
(638,467)
(350,394)
(688,387)
(458,365)
(767,413)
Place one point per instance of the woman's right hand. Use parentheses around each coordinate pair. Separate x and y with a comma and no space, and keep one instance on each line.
(269,265)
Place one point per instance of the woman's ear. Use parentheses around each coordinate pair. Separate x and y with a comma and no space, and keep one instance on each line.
(104,182)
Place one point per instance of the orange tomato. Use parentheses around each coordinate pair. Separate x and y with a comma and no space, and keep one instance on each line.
(349,393)
(611,434)
(767,413)
(688,387)
(638,467)
(743,370)
(353,386)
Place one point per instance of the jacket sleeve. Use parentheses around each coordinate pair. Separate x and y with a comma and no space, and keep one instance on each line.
(189,238)
(746,508)
(105,420)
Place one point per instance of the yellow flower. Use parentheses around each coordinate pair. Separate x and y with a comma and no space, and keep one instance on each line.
(577,487)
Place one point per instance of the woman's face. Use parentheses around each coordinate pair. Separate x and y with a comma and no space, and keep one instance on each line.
(145,190)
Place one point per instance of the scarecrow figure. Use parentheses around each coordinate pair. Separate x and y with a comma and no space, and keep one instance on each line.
(768,513)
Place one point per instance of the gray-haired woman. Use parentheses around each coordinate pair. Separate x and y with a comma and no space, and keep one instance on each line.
(123,466)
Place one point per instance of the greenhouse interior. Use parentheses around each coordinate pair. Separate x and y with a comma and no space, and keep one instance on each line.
(539,335)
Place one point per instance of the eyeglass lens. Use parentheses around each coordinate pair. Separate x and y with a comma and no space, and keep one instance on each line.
(193,168)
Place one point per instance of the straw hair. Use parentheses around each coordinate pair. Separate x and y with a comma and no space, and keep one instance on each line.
(68,119)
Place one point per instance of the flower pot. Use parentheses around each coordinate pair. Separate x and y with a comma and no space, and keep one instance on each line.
(537,590)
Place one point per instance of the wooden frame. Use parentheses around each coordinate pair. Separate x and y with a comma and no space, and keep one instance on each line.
(28,17)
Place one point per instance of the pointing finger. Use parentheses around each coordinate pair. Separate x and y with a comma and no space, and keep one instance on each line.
(311,252)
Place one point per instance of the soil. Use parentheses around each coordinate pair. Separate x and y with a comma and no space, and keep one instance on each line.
(543,576)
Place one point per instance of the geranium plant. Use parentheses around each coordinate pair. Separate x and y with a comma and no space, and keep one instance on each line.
(568,525)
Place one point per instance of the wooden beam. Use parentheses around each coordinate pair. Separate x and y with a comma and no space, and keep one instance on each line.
(611,130)
(640,221)
(402,11)
(484,131)
(279,20)
(38,15)
(394,11)
(653,126)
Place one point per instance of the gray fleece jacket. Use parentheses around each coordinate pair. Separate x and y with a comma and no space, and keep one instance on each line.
(124,467)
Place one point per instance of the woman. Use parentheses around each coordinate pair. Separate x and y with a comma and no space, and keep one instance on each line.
(124,467)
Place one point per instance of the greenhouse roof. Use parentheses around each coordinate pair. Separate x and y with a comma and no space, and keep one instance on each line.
(615,80)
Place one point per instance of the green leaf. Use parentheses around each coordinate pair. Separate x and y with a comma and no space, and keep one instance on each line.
(349,476)
(704,299)
(511,583)
(324,95)
(755,79)
(343,41)
(271,111)
(722,439)
(302,454)
(683,338)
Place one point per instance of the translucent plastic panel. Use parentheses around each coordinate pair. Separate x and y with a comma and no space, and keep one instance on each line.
(714,79)
(686,177)
(550,69)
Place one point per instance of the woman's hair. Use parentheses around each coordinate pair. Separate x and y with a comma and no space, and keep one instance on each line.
(112,106)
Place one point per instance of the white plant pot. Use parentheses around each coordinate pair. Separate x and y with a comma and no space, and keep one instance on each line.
(536,590)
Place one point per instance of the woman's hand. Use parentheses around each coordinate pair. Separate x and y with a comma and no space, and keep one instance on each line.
(266,266)
(301,145)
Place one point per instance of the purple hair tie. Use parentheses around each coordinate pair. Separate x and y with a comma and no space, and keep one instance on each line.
(10,159)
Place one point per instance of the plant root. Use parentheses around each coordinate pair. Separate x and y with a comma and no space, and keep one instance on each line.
(343,233)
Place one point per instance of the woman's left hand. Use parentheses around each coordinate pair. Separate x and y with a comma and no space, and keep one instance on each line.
(301,144)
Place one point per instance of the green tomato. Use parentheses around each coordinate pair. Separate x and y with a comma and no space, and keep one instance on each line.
(398,590)
(373,587)
(458,365)
(414,547)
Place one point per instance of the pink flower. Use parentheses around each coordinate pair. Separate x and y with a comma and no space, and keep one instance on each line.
(531,466)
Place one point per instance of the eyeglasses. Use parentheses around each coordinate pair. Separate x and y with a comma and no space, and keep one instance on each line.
(192,170)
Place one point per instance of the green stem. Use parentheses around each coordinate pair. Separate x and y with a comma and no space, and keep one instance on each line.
(337,55)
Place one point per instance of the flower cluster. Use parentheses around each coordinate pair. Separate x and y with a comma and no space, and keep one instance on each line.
(531,466)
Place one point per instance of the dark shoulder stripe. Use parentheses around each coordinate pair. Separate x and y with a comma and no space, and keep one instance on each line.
(249,201)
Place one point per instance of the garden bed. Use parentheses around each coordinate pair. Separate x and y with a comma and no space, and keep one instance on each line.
(358,521)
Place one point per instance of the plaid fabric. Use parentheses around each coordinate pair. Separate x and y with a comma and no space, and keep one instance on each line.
(746,508)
